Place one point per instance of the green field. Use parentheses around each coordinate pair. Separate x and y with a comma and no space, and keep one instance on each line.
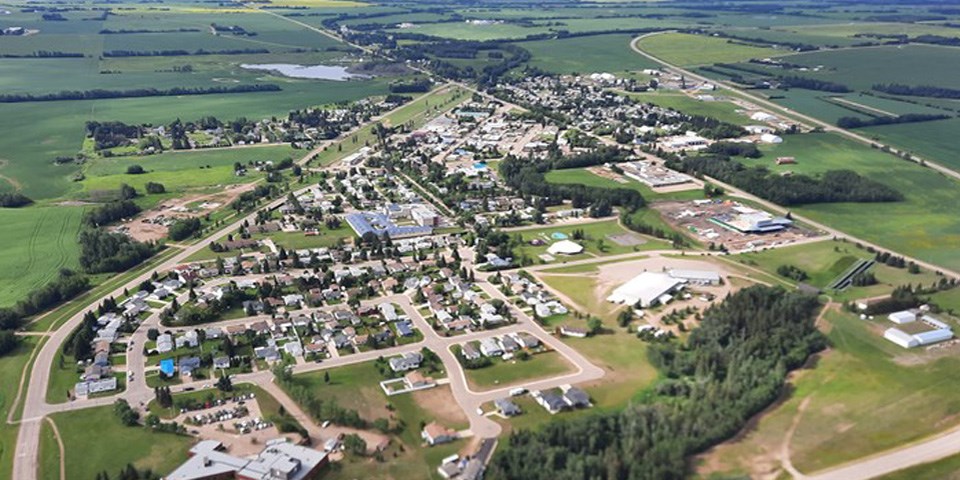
(595,241)
(38,242)
(584,177)
(865,395)
(600,53)
(512,372)
(116,444)
(923,225)
(688,50)
(946,469)
(12,367)
(860,68)
(721,110)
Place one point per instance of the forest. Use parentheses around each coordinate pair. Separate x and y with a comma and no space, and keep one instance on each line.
(732,367)
(102,251)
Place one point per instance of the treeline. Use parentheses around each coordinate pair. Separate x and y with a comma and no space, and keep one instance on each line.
(110,212)
(830,187)
(66,286)
(43,54)
(184,228)
(14,200)
(732,367)
(181,53)
(417,85)
(794,81)
(857,122)
(134,93)
(917,91)
(102,251)
(124,31)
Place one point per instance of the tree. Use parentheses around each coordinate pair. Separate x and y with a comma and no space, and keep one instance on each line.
(224,384)
(594,325)
(135,170)
(326,377)
(154,188)
(354,444)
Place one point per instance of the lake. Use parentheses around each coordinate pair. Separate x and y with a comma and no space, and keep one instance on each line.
(316,72)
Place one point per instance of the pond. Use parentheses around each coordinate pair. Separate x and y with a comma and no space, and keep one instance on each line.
(315,72)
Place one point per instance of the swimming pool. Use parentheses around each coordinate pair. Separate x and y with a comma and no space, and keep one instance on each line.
(558,236)
(479,166)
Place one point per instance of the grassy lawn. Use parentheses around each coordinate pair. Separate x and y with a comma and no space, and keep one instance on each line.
(945,469)
(298,240)
(865,395)
(12,367)
(586,267)
(595,241)
(38,242)
(117,445)
(583,291)
(689,50)
(721,110)
(353,386)
(511,372)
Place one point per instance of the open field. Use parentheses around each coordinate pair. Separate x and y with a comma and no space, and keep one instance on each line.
(512,372)
(584,55)
(596,240)
(583,176)
(864,396)
(946,469)
(690,50)
(932,140)
(721,110)
(826,261)
(12,366)
(923,225)
(860,68)
(38,242)
(116,444)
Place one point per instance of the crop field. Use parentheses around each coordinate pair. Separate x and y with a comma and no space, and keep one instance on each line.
(600,53)
(864,396)
(931,140)
(922,225)
(860,68)
(38,242)
(690,50)
(848,30)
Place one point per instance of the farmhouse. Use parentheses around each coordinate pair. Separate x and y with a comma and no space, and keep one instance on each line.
(646,290)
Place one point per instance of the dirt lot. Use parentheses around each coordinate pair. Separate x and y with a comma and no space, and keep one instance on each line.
(224,432)
(699,219)
(152,224)
(440,403)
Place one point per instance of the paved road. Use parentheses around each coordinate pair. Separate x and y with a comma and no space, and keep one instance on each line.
(793,113)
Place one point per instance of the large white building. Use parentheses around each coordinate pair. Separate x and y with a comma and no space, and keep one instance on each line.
(565,247)
(647,289)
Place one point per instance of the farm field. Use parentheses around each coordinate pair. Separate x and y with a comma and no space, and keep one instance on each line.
(117,445)
(600,53)
(688,50)
(38,241)
(860,68)
(930,140)
(864,396)
(512,372)
(922,225)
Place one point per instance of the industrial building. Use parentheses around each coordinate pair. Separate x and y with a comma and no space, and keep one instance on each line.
(696,277)
(748,220)
(930,330)
(280,460)
(647,289)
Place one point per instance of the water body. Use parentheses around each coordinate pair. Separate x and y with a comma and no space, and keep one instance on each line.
(314,72)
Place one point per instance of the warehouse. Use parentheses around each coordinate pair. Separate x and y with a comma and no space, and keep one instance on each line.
(646,290)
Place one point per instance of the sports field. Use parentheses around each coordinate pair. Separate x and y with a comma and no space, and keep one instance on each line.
(38,242)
